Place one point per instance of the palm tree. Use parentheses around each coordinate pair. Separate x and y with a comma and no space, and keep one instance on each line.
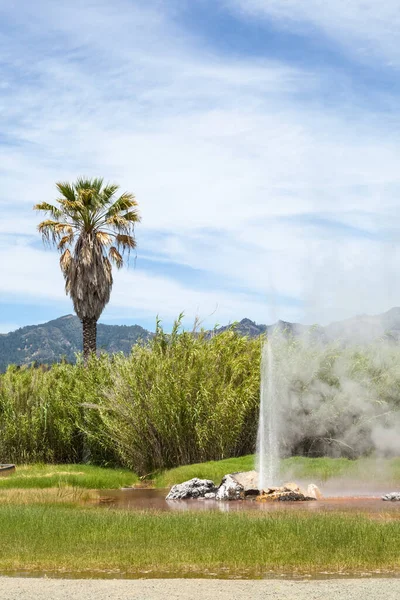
(92,227)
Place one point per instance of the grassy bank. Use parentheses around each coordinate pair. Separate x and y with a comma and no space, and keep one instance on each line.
(58,538)
(76,476)
(319,470)
(296,468)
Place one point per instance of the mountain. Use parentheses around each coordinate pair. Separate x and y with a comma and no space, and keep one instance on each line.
(49,342)
(362,329)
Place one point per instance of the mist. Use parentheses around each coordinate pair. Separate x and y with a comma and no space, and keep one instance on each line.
(336,399)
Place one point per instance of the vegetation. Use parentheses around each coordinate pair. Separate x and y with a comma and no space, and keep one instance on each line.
(297,468)
(64,494)
(61,340)
(39,477)
(44,538)
(92,228)
(180,399)
(316,470)
(186,398)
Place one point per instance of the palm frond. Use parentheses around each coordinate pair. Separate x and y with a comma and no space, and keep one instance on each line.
(119,223)
(104,238)
(65,261)
(67,191)
(62,228)
(125,241)
(132,216)
(55,212)
(84,183)
(54,230)
(73,208)
(123,203)
(108,192)
(48,231)
(115,257)
(65,241)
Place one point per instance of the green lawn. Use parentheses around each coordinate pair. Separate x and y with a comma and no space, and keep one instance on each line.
(62,538)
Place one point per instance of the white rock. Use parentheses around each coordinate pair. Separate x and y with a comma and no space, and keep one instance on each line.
(194,488)
(229,489)
(314,491)
(393,496)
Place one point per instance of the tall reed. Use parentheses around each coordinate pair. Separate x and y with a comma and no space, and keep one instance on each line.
(188,397)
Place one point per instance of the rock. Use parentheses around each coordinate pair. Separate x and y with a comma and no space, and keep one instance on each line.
(290,492)
(314,491)
(194,488)
(292,487)
(230,489)
(293,496)
(393,497)
(248,480)
(210,496)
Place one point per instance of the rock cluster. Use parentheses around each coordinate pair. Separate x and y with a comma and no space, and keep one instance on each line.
(393,496)
(194,488)
(237,486)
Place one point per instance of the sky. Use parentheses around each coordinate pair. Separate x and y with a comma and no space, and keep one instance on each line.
(260,137)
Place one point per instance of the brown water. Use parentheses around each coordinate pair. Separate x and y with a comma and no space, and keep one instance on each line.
(149,500)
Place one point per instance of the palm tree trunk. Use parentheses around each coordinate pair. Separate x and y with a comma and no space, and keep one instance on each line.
(89,338)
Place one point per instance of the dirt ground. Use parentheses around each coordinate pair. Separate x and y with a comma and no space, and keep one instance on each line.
(14,588)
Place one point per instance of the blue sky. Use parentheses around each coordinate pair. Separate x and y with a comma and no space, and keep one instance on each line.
(261,138)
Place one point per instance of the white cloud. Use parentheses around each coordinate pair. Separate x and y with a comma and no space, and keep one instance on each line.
(217,149)
(367,28)
(28,275)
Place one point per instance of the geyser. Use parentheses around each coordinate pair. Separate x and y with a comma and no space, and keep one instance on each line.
(268,426)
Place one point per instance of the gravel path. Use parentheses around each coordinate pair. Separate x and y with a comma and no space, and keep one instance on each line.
(13,588)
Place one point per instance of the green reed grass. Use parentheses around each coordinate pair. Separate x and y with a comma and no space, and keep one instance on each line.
(58,538)
(188,398)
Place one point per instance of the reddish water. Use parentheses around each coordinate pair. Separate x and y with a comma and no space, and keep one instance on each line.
(147,499)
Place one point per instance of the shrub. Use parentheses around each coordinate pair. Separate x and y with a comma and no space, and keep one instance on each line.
(183,398)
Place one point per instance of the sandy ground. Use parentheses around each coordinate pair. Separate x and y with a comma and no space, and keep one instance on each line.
(13,588)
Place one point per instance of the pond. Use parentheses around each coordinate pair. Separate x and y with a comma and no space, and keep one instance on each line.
(154,499)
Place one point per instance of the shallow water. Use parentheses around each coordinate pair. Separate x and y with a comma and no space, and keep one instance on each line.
(204,574)
(148,499)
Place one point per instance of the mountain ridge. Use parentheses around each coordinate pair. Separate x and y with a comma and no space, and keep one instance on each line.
(49,342)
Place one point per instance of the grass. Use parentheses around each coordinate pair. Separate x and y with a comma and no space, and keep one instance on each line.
(76,476)
(60,538)
(60,495)
(214,470)
(318,470)
(296,468)
(49,523)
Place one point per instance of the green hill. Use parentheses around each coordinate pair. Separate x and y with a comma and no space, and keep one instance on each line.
(49,342)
